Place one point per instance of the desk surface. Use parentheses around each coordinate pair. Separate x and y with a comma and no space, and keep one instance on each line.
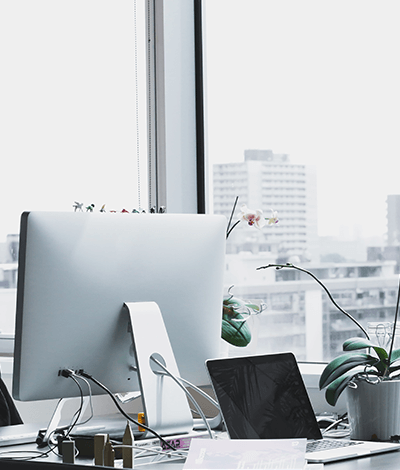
(388,461)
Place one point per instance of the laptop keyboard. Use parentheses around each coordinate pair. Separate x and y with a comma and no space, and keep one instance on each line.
(327,444)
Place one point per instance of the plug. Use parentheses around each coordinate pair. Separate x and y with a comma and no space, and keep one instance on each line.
(66,373)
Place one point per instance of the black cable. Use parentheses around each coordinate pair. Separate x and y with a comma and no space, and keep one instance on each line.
(71,426)
(90,401)
(87,376)
(51,446)
(79,412)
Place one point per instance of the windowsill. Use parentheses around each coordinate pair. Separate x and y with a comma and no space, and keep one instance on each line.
(6,365)
(6,344)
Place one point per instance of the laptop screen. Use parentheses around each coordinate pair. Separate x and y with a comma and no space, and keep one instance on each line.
(263,397)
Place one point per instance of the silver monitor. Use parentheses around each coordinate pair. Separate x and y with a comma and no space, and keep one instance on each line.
(76,270)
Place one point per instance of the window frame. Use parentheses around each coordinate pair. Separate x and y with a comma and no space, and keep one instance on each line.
(176,139)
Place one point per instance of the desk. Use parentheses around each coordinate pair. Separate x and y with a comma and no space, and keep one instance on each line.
(388,461)
(53,462)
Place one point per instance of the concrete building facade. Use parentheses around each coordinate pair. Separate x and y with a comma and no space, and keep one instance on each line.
(266,181)
(299,315)
(393,220)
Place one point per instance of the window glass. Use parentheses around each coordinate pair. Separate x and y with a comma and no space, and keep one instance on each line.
(72,120)
(302,114)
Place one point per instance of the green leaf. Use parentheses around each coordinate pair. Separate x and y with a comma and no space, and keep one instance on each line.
(395,355)
(394,367)
(335,389)
(394,361)
(233,302)
(353,344)
(235,332)
(254,307)
(343,364)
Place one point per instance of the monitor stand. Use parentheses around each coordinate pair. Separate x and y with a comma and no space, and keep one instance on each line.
(166,407)
(44,437)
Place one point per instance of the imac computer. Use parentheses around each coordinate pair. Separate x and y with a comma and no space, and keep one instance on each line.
(76,272)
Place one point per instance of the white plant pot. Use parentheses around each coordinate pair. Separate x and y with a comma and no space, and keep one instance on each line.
(374,410)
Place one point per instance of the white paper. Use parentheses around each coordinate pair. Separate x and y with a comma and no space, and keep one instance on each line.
(225,454)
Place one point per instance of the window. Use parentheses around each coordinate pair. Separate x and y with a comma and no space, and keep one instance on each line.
(73,114)
(301,96)
(73,125)
(302,112)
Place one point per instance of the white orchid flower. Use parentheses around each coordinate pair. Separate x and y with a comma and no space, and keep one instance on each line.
(252,217)
(274,218)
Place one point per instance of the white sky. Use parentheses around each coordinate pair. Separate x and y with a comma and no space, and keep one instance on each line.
(319,80)
(67,106)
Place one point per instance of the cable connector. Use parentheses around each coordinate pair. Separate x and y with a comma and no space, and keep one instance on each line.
(66,373)
(85,374)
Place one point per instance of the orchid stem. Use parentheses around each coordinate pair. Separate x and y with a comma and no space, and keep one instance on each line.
(394,325)
(233,226)
(229,228)
(288,265)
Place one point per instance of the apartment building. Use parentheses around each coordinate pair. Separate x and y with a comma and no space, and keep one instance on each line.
(393,219)
(266,181)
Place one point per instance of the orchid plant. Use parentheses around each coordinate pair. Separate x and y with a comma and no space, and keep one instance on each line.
(254,218)
(374,364)
(235,311)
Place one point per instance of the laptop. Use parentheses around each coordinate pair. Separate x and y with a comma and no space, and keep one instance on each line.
(264,397)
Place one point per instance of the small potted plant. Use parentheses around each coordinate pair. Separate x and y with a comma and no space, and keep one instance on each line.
(370,373)
(236,312)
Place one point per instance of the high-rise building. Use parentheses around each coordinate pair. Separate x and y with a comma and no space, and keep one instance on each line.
(269,181)
(393,220)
